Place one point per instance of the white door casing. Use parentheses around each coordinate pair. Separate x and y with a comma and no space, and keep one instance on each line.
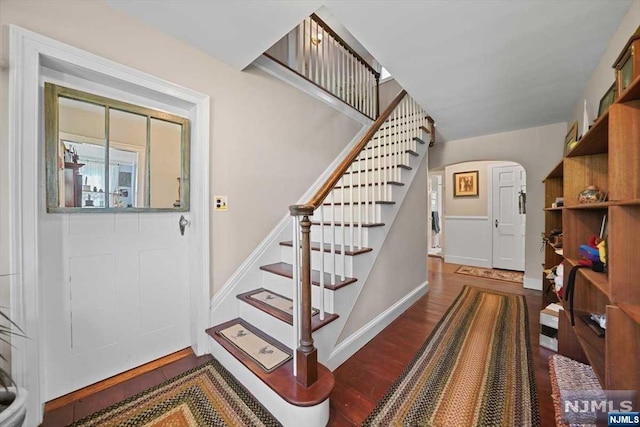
(507,222)
(29,52)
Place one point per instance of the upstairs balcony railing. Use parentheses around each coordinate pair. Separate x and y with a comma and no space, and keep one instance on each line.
(321,56)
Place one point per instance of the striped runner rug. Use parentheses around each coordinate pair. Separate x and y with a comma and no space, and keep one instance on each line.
(475,369)
(207,395)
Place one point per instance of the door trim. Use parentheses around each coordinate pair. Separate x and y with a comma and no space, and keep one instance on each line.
(27,52)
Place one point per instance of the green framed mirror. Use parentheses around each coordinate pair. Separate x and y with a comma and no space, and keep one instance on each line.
(105,155)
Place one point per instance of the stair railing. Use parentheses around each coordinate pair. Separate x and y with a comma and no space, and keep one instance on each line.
(321,56)
(361,183)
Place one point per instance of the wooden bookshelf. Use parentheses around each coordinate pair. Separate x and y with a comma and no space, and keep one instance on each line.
(607,156)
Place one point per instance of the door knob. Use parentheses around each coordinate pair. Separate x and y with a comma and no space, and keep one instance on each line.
(183,223)
(496,223)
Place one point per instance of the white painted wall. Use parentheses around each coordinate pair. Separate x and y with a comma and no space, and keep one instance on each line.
(468,240)
(603,75)
(262,131)
(401,265)
(388,91)
(538,150)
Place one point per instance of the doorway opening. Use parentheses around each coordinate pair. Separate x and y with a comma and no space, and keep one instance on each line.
(482,214)
(435,206)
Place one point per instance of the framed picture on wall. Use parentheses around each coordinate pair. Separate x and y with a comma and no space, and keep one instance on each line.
(465,184)
(571,139)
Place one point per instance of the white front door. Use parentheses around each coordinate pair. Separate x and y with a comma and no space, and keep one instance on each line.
(116,294)
(509,195)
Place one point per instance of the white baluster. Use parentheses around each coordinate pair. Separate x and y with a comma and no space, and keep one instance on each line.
(396,140)
(351,208)
(333,238)
(385,148)
(367,180)
(296,289)
(322,261)
(359,206)
(405,114)
(342,231)
(299,49)
(380,170)
(317,56)
(323,63)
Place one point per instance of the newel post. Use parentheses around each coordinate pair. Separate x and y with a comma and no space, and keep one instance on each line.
(432,131)
(307,354)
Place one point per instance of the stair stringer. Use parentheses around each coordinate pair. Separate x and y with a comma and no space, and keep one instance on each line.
(325,339)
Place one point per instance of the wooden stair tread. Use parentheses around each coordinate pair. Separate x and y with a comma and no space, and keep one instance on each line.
(286,270)
(377,202)
(280,380)
(401,166)
(315,246)
(370,184)
(316,322)
(339,224)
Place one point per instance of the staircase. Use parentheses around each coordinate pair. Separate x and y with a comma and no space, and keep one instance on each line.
(289,312)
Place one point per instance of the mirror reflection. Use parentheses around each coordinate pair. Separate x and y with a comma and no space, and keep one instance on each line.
(164,164)
(104,154)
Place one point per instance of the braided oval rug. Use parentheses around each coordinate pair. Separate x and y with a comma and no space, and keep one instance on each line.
(207,395)
(475,369)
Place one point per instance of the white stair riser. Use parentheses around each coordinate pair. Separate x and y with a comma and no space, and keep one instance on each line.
(286,413)
(375,212)
(403,159)
(391,145)
(377,160)
(374,176)
(359,194)
(357,240)
(287,256)
(400,126)
(284,286)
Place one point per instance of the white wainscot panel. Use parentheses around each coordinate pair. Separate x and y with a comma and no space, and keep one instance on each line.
(468,240)
(160,286)
(93,302)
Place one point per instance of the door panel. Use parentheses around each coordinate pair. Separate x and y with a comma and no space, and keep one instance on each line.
(92,294)
(122,290)
(508,223)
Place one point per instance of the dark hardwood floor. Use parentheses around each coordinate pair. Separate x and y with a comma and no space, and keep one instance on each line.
(79,409)
(363,379)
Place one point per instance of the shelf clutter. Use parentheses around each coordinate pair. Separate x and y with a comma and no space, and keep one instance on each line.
(608,158)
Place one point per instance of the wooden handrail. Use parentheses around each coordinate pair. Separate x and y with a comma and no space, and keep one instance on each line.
(344,44)
(340,170)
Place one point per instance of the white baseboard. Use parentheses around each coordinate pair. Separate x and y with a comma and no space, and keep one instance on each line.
(472,262)
(350,345)
(532,283)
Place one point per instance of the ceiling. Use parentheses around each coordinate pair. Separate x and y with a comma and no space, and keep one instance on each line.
(477,67)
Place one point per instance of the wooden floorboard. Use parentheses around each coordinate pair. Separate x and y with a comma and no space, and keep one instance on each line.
(103,397)
(363,379)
